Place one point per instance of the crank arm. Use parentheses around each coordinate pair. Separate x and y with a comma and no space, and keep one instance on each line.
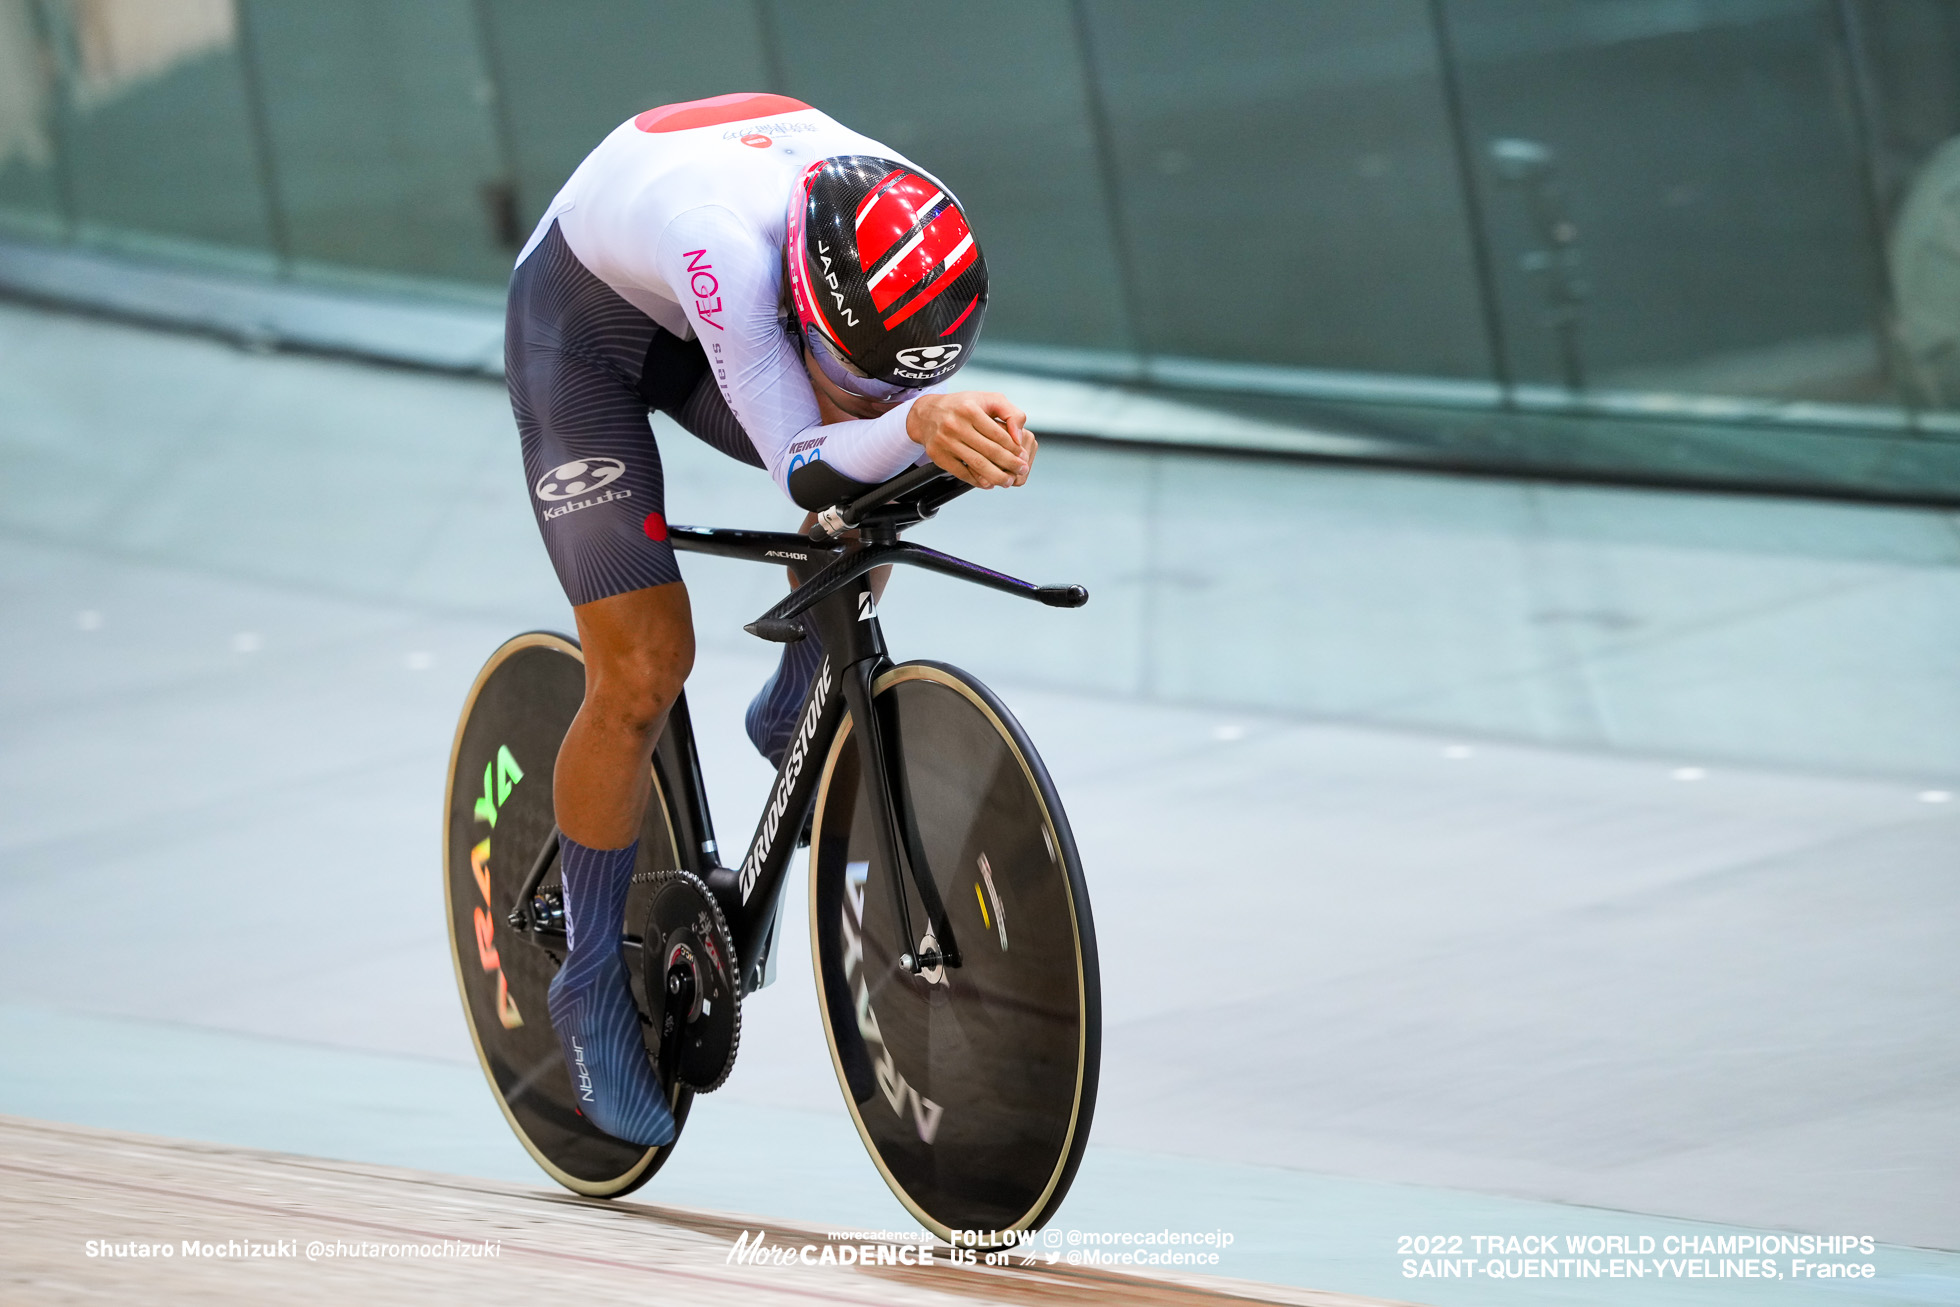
(675,1001)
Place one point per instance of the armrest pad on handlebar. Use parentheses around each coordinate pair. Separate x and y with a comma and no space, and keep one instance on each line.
(817,485)
(921,489)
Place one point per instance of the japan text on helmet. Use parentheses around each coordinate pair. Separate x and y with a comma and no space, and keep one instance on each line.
(888,283)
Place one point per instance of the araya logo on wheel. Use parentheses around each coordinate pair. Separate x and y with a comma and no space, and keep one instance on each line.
(898,1093)
(500,776)
(581,476)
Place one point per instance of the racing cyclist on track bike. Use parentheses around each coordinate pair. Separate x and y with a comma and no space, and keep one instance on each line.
(796,295)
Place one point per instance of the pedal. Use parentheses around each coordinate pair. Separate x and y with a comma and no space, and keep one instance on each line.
(690,970)
(547,911)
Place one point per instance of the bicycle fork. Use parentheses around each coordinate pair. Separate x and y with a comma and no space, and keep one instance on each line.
(894,827)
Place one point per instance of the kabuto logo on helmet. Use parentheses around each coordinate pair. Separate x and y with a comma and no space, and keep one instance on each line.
(884,269)
(929,358)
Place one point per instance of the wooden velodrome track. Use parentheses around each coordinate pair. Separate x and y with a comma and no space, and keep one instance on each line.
(63,1186)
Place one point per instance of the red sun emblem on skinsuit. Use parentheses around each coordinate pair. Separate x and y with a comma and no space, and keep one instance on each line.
(757,141)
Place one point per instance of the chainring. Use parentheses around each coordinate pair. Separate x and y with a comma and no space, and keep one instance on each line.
(686,933)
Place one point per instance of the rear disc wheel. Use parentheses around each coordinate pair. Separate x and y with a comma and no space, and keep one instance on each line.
(498,823)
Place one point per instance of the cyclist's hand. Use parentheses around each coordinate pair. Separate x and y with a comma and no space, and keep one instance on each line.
(976,435)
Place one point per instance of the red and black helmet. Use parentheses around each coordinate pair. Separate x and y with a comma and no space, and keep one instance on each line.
(888,283)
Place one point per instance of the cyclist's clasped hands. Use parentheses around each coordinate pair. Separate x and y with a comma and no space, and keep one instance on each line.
(977,435)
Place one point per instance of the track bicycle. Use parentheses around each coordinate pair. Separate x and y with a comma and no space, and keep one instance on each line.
(950,928)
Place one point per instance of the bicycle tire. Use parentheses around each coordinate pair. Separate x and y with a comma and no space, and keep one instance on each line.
(973,1091)
(499,797)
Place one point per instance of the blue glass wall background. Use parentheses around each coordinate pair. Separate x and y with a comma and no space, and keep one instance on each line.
(1738,215)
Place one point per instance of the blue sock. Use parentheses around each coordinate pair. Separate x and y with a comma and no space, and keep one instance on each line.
(592,1010)
(771,719)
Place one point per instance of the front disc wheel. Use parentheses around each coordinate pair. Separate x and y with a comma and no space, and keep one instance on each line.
(972,1085)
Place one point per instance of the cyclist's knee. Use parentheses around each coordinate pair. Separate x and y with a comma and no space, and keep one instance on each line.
(639,649)
(636,686)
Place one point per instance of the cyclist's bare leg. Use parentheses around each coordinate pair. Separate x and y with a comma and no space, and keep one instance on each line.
(639,648)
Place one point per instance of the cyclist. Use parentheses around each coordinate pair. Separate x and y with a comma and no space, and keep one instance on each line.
(796,295)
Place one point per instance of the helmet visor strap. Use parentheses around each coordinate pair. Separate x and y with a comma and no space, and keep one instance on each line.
(844,376)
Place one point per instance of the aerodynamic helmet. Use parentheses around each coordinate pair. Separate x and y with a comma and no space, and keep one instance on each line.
(888,285)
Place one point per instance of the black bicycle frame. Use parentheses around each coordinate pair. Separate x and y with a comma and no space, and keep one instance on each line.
(833,568)
(846,621)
